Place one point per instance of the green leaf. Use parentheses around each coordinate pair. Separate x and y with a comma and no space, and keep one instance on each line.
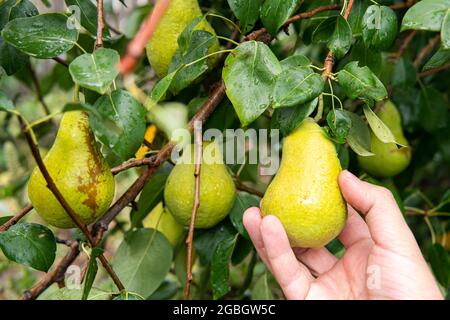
(247,11)
(95,71)
(143,260)
(160,89)
(129,115)
(360,82)
(340,41)
(297,60)
(296,86)
(30,244)
(4,219)
(288,119)
(87,12)
(91,272)
(65,294)
(206,241)
(262,290)
(150,196)
(379,27)
(274,13)
(445,31)
(433,109)
(242,203)
(166,291)
(249,75)
(200,43)
(5,103)
(355,19)
(359,136)
(381,131)
(440,263)
(43,36)
(405,73)
(220,267)
(426,15)
(340,124)
(440,58)
(13,9)
(367,57)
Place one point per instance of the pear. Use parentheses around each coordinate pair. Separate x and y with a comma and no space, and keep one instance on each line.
(164,42)
(389,160)
(305,194)
(162,220)
(217,190)
(79,171)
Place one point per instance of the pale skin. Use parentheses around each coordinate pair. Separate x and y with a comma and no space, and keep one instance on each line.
(382,259)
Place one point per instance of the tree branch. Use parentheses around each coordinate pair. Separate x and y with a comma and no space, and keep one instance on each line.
(16,218)
(405,44)
(434,71)
(198,155)
(37,86)
(426,50)
(100,25)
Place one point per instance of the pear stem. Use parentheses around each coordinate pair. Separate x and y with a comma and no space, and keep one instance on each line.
(54,189)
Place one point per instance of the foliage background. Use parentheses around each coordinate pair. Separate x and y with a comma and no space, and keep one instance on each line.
(227,266)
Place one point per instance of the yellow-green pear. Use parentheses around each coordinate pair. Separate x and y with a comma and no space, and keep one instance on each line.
(389,160)
(162,220)
(164,42)
(305,194)
(217,190)
(79,171)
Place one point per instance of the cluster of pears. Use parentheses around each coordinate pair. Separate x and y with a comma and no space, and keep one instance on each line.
(164,42)
(305,195)
(217,189)
(79,171)
(389,160)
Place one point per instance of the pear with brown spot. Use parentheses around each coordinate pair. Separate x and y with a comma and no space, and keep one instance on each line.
(79,171)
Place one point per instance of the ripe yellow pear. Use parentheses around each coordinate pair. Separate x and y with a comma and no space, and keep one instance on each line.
(217,190)
(79,171)
(162,220)
(389,160)
(164,43)
(305,194)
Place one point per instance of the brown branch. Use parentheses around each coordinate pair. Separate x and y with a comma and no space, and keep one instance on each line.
(243,187)
(56,275)
(100,25)
(37,86)
(426,50)
(8,224)
(61,61)
(133,164)
(405,44)
(198,154)
(403,5)
(434,70)
(54,189)
(136,46)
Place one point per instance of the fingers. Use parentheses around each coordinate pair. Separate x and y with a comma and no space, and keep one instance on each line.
(293,277)
(355,229)
(252,222)
(382,215)
(318,260)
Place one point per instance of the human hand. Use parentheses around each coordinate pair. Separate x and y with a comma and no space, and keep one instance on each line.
(382,259)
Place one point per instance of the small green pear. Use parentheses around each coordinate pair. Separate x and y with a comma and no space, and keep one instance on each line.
(162,220)
(217,189)
(79,171)
(164,42)
(389,160)
(305,194)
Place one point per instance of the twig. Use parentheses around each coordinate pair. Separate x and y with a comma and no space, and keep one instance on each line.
(329,60)
(403,5)
(423,53)
(100,24)
(37,86)
(61,61)
(54,276)
(405,44)
(16,218)
(54,189)
(434,70)
(243,187)
(198,154)
(133,164)
(136,46)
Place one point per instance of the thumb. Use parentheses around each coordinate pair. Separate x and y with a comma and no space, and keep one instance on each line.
(386,224)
